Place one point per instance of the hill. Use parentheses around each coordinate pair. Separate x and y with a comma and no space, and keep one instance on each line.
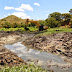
(12,19)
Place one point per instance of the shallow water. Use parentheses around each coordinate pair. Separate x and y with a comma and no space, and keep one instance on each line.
(43,58)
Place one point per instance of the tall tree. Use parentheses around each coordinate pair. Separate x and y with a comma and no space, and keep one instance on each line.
(56,15)
(66,16)
(70,11)
(51,22)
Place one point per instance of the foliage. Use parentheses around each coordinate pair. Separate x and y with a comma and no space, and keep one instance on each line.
(11,29)
(70,11)
(56,15)
(15,25)
(51,22)
(65,22)
(66,16)
(71,24)
(6,25)
(22,24)
(55,30)
(23,68)
(12,19)
(33,28)
(42,22)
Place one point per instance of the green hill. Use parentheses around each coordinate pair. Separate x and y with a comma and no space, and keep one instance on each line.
(12,19)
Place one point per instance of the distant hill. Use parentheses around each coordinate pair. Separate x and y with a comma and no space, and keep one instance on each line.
(12,19)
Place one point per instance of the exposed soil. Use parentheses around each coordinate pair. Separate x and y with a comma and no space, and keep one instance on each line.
(7,57)
(60,44)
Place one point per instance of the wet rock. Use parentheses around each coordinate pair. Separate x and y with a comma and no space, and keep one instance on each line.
(58,50)
(1,57)
(2,63)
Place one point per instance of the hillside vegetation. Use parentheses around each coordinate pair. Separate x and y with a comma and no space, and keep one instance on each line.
(12,22)
(12,19)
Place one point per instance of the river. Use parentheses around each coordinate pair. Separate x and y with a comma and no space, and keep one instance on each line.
(44,59)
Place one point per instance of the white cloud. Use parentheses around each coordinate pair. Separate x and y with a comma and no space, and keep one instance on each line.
(21,15)
(21,8)
(0,18)
(36,4)
(26,7)
(7,8)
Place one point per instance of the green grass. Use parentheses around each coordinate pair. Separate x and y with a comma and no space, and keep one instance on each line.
(35,29)
(55,30)
(11,29)
(14,29)
(23,68)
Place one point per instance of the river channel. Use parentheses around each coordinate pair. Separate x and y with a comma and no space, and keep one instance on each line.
(44,59)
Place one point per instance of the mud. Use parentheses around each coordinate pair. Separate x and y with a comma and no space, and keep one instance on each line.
(59,44)
(7,57)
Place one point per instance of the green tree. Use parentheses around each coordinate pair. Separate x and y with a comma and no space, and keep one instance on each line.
(66,16)
(51,22)
(70,11)
(42,22)
(56,15)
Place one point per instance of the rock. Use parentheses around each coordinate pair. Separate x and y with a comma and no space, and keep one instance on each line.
(40,63)
(2,63)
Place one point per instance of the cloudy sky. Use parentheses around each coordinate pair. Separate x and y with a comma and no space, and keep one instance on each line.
(33,9)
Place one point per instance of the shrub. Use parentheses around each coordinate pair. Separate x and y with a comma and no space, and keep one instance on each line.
(22,24)
(15,25)
(6,25)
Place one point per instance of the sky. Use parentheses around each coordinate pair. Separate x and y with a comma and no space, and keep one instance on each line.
(33,9)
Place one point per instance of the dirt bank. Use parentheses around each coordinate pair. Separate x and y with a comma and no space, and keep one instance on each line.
(60,44)
(7,57)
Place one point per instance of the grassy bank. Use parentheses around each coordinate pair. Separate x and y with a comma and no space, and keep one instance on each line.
(55,30)
(11,29)
(44,32)
(23,68)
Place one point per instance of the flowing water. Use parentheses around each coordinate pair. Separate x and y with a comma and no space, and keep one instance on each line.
(40,58)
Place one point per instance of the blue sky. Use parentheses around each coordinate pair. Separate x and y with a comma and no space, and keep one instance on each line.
(33,9)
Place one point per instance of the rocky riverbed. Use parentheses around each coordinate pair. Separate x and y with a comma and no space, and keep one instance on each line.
(7,57)
(59,44)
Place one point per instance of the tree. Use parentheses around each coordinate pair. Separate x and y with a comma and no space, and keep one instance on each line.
(51,22)
(42,22)
(56,15)
(66,16)
(70,11)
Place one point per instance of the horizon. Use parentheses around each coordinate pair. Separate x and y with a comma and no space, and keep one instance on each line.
(33,9)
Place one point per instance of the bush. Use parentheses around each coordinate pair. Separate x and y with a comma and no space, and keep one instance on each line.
(16,25)
(22,24)
(6,25)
